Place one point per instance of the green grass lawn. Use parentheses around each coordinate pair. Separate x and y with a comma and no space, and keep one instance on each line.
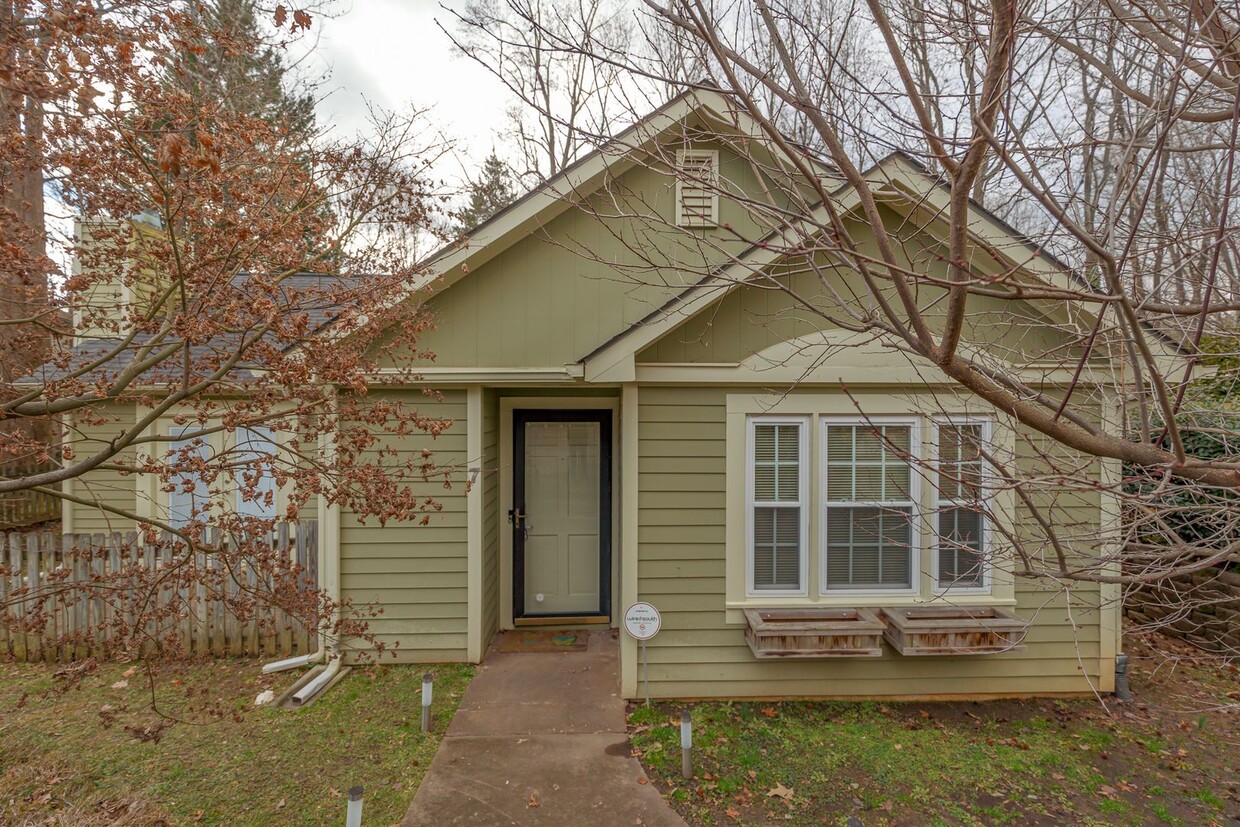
(1009,762)
(101,755)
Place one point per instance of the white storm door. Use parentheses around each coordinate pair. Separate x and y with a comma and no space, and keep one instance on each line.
(559,520)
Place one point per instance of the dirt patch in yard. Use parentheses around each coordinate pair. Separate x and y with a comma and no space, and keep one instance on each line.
(1170,756)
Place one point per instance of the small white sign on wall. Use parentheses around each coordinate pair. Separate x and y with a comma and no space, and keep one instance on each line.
(642,621)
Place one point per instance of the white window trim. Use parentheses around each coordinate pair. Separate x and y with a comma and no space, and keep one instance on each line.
(915,536)
(156,503)
(988,497)
(713,219)
(171,431)
(276,500)
(922,405)
(803,463)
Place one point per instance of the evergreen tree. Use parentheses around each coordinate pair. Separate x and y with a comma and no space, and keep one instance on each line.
(489,193)
(237,65)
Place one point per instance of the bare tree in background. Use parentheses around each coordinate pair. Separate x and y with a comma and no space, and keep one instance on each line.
(568,99)
(1106,132)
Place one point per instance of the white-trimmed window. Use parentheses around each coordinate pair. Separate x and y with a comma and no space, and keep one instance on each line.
(189,499)
(697,188)
(256,485)
(777,517)
(870,506)
(247,485)
(888,509)
(961,528)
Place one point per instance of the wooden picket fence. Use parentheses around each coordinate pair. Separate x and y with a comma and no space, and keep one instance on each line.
(65,597)
(23,508)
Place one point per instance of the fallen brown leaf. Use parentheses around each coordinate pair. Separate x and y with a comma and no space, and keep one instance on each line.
(533,801)
(780,791)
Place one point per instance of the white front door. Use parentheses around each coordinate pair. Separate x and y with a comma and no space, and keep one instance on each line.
(560,540)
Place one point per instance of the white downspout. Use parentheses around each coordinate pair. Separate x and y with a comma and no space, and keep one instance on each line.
(329,569)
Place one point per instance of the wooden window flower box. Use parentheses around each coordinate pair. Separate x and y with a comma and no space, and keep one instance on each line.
(953,630)
(814,633)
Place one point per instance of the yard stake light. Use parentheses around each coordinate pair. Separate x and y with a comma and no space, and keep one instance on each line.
(353,818)
(686,744)
(428,689)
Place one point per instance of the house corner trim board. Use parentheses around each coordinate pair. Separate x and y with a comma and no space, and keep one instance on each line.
(1111,596)
(473,516)
(329,526)
(628,531)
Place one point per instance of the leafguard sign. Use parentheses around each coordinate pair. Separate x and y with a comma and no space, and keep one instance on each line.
(642,621)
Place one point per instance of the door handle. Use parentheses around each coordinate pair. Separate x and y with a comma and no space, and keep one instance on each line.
(519,520)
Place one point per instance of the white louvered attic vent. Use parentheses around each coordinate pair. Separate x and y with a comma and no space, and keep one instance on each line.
(697,183)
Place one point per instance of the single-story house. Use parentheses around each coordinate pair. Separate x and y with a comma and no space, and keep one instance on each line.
(634,431)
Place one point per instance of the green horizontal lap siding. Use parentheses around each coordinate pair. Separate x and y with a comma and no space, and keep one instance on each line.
(106,488)
(682,571)
(416,573)
(1073,513)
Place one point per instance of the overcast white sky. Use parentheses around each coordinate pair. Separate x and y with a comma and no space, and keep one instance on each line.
(391,54)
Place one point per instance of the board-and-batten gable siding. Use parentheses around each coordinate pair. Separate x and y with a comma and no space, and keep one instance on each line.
(682,562)
(105,487)
(568,287)
(416,573)
(751,319)
(489,480)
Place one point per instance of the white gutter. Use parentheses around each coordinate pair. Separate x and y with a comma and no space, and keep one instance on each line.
(438,375)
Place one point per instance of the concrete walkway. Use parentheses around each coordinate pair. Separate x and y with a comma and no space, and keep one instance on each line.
(540,739)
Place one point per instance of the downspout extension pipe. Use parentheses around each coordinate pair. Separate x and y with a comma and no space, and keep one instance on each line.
(1122,690)
(319,683)
(294,662)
